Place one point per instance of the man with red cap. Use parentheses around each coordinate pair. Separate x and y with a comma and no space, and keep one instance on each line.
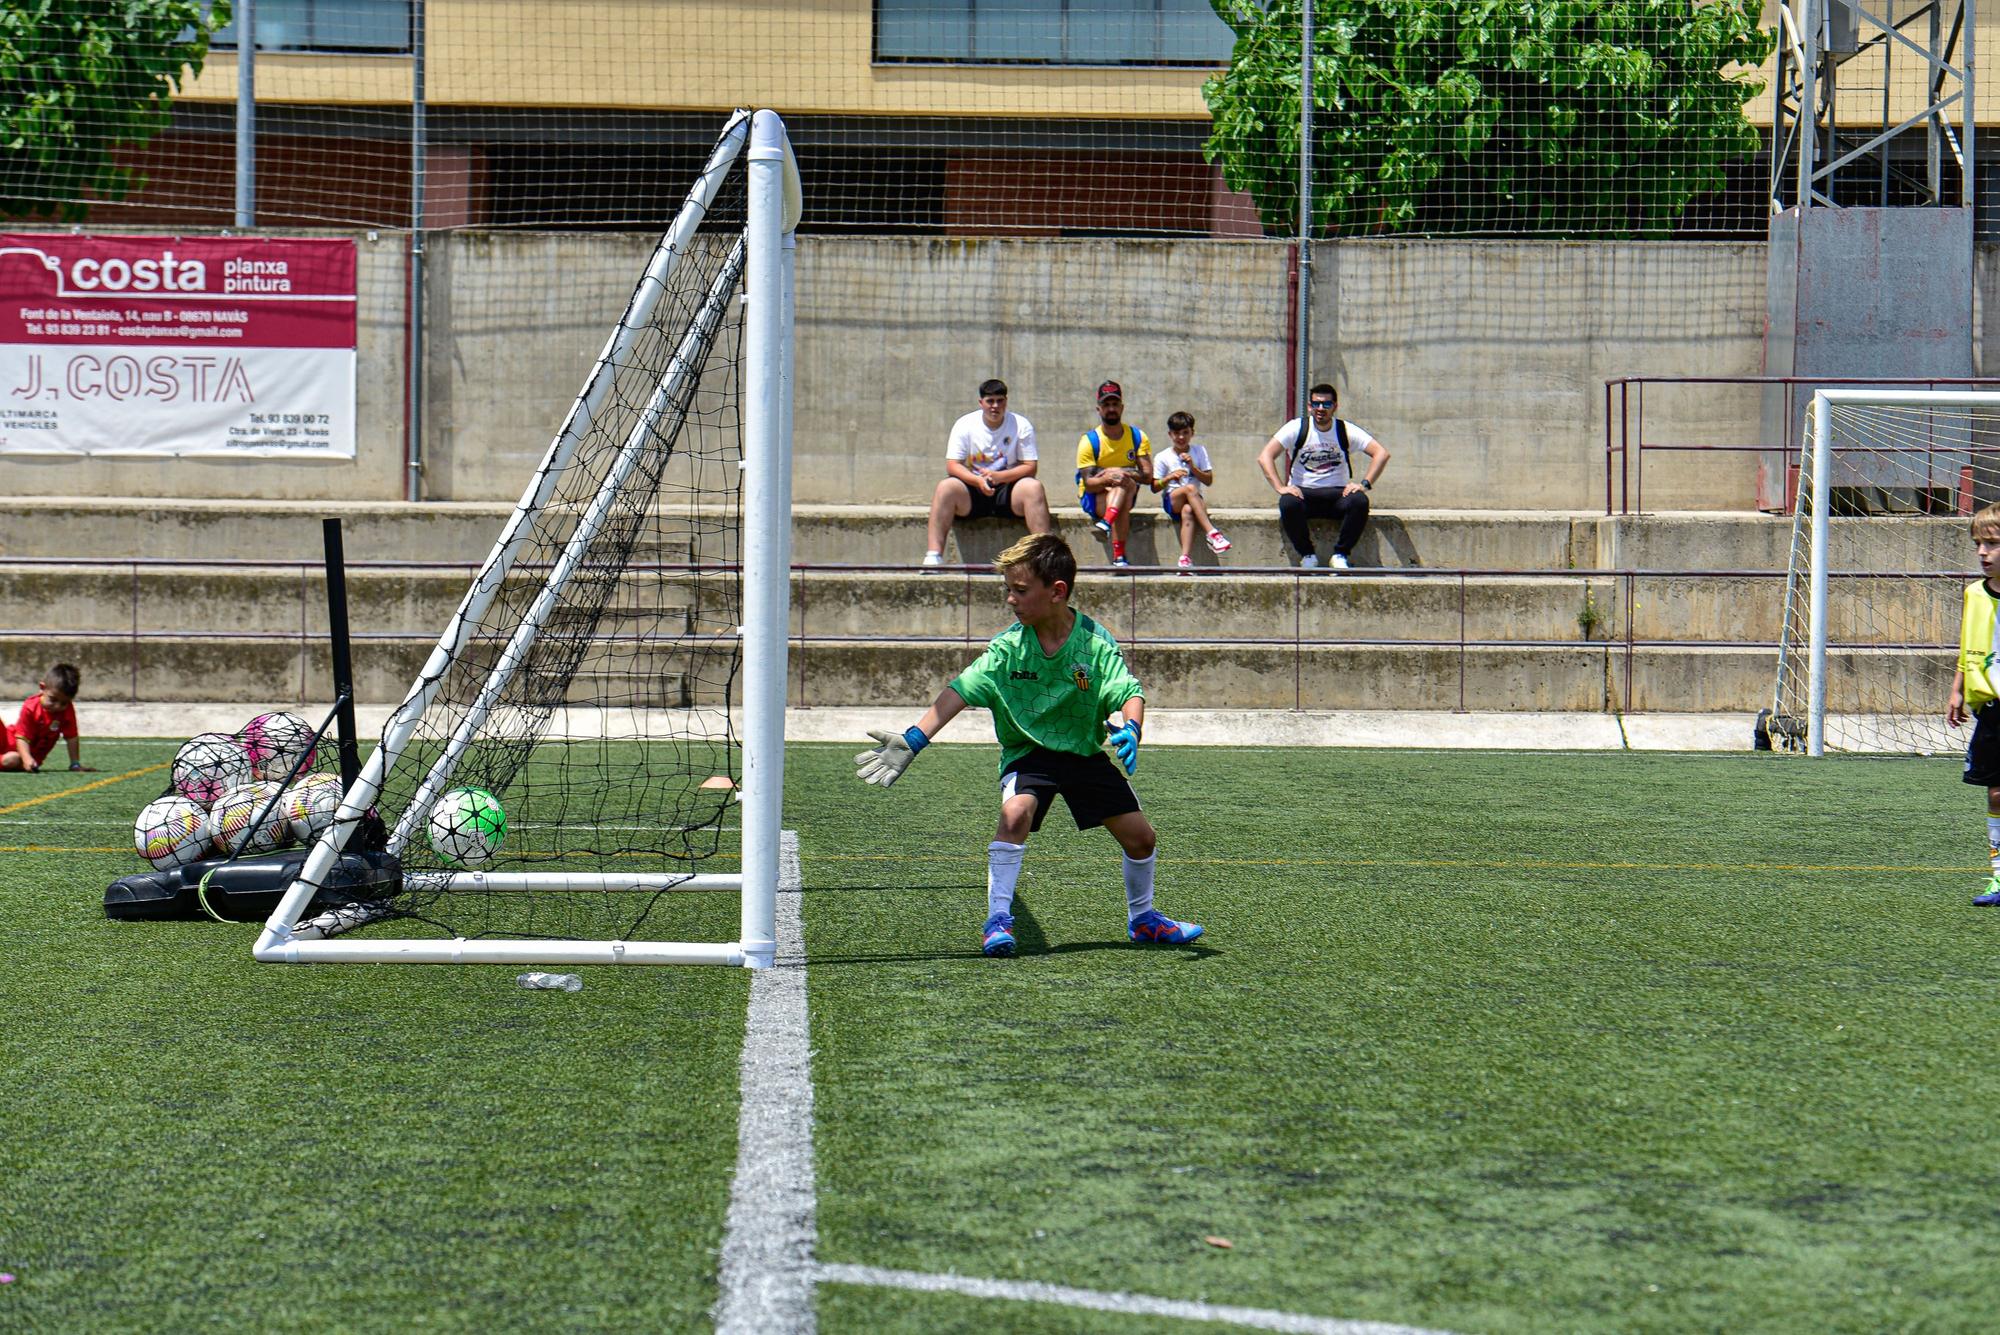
(1113,460)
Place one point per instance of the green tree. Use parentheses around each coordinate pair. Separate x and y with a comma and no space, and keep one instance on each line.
(80,79)
(1600,117)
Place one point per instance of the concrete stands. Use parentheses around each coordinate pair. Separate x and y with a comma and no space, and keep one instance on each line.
(184,600)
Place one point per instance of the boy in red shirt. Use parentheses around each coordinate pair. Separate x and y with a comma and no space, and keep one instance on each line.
(46,715)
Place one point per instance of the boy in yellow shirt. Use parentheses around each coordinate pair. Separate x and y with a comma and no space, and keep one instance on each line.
(1973,693)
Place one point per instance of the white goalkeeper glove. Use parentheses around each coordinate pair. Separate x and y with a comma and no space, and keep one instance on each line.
(1125,741)
(891,756)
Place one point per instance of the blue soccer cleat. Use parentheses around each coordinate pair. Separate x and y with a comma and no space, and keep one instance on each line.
(1156,929)
(1989,897)
(999,935)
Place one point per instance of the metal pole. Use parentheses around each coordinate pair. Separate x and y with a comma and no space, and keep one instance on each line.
(1305,213)
(767,528)
(343,660)
(1968,125)
(1808,130)
(246,113)
(413,488)
(1822,466)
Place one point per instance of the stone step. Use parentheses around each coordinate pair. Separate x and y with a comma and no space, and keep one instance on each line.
(826,673)
(908,604)
(894,535)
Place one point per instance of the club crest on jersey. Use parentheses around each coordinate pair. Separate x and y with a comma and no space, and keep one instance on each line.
(1081,676)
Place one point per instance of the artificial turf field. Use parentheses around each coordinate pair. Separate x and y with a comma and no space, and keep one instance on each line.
(1476,1042)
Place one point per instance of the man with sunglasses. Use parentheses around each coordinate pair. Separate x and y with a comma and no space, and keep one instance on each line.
(1320,481)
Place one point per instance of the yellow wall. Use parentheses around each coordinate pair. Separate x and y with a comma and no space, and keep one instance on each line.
(798,56)
(805,56)
(1858,81)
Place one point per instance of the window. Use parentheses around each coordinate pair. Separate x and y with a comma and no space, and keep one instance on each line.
(1052,32)
(327,25)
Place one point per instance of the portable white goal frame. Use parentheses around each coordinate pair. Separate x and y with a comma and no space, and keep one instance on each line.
(774,202)
(1820,498)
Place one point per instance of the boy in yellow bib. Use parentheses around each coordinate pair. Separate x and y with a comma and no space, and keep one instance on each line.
(1973,693)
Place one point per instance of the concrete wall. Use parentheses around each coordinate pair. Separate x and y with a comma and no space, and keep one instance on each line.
(1481,364)
(375,473)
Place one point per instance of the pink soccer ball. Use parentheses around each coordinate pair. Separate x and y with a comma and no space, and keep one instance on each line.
(209,765)
(275,742)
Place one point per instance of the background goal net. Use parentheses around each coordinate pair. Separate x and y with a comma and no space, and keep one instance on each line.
(1880,558)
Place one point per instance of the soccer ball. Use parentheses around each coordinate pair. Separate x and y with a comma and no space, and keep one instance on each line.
(209,765)
(466,826)
(310,804)
(171,831)
(230,822)
(274,743)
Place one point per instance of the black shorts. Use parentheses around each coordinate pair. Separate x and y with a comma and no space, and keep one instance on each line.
(1982,753)
(1091,785)
(1000,505)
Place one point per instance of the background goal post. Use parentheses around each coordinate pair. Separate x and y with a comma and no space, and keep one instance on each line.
(588,679)
(1880,558)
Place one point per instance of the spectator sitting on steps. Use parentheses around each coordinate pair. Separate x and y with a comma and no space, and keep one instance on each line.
(1320,481)
(1183,472)
(990,466)
(1113,460)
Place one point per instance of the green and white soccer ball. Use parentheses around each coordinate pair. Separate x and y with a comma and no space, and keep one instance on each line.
(466,826)
(171,831)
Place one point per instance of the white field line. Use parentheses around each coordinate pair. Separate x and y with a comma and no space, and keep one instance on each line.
(766,1272)
(1138,1304)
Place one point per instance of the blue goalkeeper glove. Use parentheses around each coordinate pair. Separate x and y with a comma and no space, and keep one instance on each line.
(1125,741)
(885,763)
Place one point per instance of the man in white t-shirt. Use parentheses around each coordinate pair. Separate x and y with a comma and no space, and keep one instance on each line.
(990,465)
(1321,480)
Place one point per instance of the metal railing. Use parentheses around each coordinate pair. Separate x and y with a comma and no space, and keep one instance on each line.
(985,615)
(1625,437)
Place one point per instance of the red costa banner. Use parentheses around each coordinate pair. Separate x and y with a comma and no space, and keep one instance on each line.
(177,345)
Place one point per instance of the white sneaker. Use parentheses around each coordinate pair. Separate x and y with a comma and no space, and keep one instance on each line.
(1339,561)
(1309,563)
(1218,542)
(933,558)
(1186,563)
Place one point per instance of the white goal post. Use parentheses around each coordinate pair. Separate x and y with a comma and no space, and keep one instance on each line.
(544,613)
(1879,562)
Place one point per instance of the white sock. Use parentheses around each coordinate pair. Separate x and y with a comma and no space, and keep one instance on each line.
(1139,884)
(1003,868)
(1993,841)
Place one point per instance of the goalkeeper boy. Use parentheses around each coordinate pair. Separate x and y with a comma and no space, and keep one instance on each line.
(1973,686)
(1051,680)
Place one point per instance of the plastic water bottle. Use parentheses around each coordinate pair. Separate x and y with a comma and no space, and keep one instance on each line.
(558,982)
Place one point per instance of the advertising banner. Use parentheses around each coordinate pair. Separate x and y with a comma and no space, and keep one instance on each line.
(177,346)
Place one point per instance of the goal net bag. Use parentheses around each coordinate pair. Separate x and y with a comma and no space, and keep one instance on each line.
(588,768)
(1880,559)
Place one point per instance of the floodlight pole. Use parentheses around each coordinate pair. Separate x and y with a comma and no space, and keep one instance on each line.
(413,484)
(246,113)
(1304,340)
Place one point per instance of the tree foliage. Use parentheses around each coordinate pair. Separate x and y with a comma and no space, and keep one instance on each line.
(80,79)
(1600,117)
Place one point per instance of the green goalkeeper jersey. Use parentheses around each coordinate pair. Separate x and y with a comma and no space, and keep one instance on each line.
(1057,701)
